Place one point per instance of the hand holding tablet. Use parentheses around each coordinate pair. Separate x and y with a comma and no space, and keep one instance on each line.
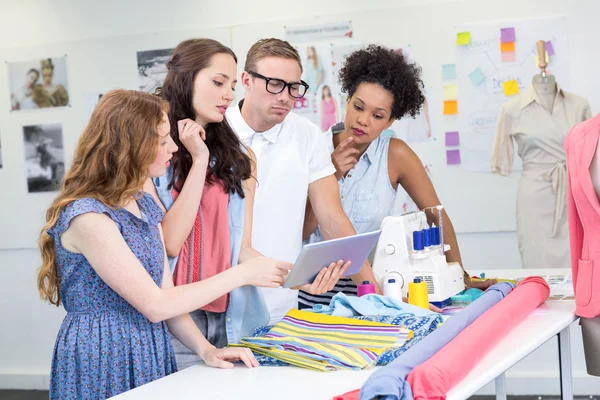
(316,256)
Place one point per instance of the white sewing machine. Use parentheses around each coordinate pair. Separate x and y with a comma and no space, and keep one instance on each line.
(405,252)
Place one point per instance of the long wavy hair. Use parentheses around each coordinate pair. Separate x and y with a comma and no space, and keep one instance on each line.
(231,163)
(110,164)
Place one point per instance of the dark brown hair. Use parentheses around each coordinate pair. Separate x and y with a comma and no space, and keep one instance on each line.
(231,163)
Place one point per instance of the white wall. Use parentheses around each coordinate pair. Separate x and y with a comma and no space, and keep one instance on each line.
(117,29)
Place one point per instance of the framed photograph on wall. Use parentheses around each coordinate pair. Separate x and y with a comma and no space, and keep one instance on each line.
(152,68)
(44,157)
(38,83)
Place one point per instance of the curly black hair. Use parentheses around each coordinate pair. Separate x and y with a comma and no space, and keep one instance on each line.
(389,69)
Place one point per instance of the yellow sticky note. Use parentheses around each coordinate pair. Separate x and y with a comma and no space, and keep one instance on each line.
(450,92)
(450,107)
(507,47)
(511,88)
(463,38)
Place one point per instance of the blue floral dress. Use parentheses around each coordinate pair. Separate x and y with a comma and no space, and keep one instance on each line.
(105,346)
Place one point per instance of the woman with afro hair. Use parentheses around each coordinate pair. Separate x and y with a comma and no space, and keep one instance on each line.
(382,86)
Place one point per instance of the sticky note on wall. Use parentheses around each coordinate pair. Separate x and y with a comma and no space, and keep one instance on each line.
(449,72)
(452,157)
(477,76)
(510,56)
(450,107)
(511,88)
(507,35)
(452,139)
(463,38)
(506,47)
(550,48)
(451,92)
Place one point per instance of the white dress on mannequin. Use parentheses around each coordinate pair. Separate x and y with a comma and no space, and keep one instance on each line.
(538,121)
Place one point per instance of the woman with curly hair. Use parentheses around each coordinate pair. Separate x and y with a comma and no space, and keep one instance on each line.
(382,86)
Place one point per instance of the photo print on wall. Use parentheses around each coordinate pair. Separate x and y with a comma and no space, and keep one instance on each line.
(38,83)
(44,157)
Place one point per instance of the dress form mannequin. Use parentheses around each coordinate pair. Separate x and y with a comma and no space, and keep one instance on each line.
(590,327)
(543,83)
(545,87)
(538,121)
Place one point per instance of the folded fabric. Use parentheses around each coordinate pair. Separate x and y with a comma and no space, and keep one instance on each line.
(474,293)
(370,304)
(326,343)
(389,382)
(434,378)
(420,326)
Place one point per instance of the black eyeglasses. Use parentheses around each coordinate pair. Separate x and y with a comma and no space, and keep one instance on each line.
(275,86)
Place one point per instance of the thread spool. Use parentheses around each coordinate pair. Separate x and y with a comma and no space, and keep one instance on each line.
(365,288)
(392,288)
(427,237)
(435,235)
(418,240)
(417,294)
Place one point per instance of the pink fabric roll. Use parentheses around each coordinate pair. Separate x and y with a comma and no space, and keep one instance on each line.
(435,377)
(353,395)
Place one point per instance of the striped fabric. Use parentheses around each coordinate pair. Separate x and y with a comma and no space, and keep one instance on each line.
(327,343)
(344,285)
(420,326)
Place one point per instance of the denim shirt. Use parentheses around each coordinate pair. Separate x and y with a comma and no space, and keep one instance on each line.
(246,309)
(366,191)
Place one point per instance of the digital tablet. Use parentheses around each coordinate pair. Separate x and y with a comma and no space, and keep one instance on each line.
(314,257)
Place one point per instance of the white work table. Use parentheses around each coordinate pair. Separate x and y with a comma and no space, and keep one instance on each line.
(550,319)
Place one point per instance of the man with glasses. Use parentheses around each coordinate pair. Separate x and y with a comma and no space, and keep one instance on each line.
(293,162)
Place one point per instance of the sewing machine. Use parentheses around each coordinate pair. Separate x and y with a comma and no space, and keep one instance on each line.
(409,249)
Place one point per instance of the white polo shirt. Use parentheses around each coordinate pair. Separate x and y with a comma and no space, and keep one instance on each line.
(290,156)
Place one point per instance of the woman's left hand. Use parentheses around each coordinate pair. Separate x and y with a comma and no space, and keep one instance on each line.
(326,279)
(222,358)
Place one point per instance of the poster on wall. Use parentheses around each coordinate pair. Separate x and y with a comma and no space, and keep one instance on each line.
(311,33)
(420,128)
(319,104)
(152,68)
(44,157)
(40,83)
(339,54)
(495,63)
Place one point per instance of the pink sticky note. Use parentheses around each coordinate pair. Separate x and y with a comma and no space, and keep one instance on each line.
(510,56)
(452,157)
(507,35)
(549,48)
(452,139)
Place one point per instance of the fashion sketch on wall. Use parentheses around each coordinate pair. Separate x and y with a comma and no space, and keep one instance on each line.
(44,157)
(38,83)
(152,68)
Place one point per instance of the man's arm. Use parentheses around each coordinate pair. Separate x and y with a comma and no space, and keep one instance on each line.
(324,196)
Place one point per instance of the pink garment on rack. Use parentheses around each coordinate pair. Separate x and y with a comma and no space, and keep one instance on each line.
(434,378)
(584,216)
